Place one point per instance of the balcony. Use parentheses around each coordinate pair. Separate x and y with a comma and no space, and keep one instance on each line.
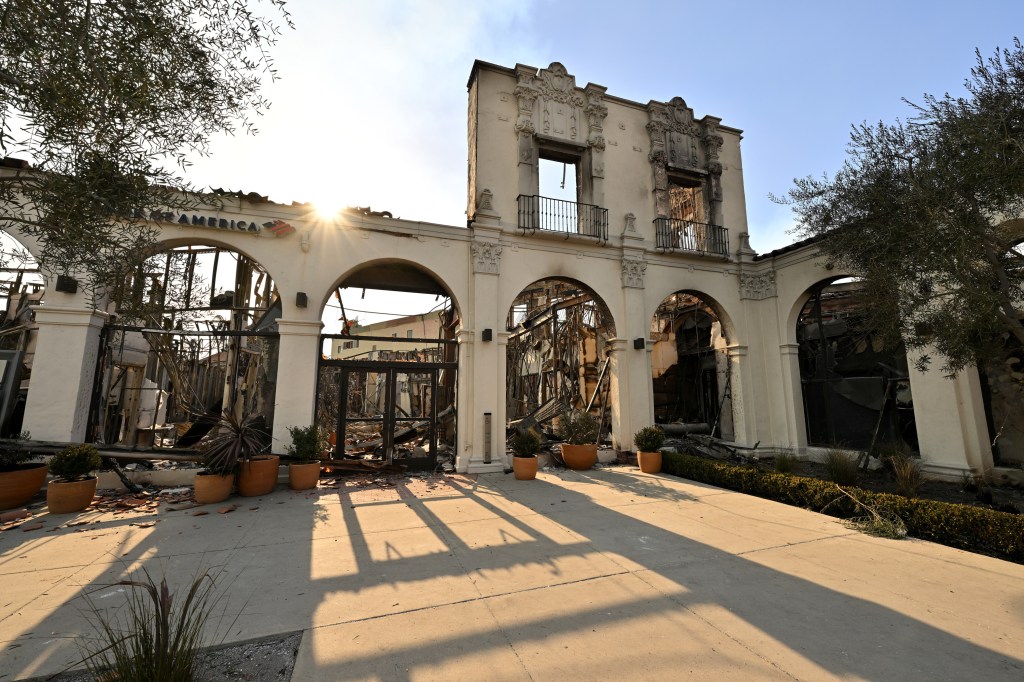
(689,236)
(563,217)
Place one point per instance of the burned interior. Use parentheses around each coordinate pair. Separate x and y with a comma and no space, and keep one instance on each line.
(557,356)
(690,368)
(194,336)
(21,289)
(856,388)
(386,390)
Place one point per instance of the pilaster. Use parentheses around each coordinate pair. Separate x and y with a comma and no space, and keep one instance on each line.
(295,395)
(63,370)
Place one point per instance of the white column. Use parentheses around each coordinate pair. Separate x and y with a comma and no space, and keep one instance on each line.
(743,417)
(63,369)
(620,392)
(464,418)
(792,396)
(295,396)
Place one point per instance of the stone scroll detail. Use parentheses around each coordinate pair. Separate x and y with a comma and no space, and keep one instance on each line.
(486,257)
(633,270)
(757,287)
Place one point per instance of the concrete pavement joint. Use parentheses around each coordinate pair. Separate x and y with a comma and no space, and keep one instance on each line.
(736,640)
(794,544)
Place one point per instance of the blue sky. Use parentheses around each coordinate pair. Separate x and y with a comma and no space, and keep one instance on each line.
(370,108)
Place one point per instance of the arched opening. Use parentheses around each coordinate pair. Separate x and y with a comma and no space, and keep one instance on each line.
(691,373)
(21,289)
(1002,383)
(855,386)
(387,376)
(557,357)
(193,335)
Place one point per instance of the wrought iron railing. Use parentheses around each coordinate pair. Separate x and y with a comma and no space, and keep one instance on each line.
(566,217)
(691,236)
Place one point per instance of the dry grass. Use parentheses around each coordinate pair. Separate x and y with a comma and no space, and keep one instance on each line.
(841,467)
(785,463)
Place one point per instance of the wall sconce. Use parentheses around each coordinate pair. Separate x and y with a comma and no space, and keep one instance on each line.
(66,284)
(639,344)
(301,300)
(487,335)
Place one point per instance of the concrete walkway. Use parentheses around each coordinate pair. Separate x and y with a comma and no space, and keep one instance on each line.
(607,574)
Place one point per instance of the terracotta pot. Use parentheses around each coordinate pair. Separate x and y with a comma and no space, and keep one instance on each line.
(19,485)
(303,476)
(579,457)
(210,488)
(525,468)
(63,497)
(258,476)
(650,462)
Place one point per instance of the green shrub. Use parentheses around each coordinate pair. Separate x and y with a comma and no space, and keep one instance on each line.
(525,444)
(649,439)
(841,467)
(307,443)
(577,427)
(75,462)
(785,463)
(955,525)
(13,453)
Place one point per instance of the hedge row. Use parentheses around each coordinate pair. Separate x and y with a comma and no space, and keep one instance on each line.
(956,525)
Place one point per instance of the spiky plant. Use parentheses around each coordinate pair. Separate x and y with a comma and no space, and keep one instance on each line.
(234,440)
(154,637)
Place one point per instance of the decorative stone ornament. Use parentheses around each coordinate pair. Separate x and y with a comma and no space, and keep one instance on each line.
(486,257)
(757,287)
(633,270)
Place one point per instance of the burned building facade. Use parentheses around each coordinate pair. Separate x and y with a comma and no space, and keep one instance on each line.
(639,298)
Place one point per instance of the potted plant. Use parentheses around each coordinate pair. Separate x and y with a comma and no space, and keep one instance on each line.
(257,469)
(524,455)
(307,444)
(233,440)
(74,486)
(579,430)
(648,441)
(232,449)
(20,477)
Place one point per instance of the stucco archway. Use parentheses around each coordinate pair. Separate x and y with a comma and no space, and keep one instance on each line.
(557,355)
(691,372)
(194,336)
(387,380)
(854,385)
